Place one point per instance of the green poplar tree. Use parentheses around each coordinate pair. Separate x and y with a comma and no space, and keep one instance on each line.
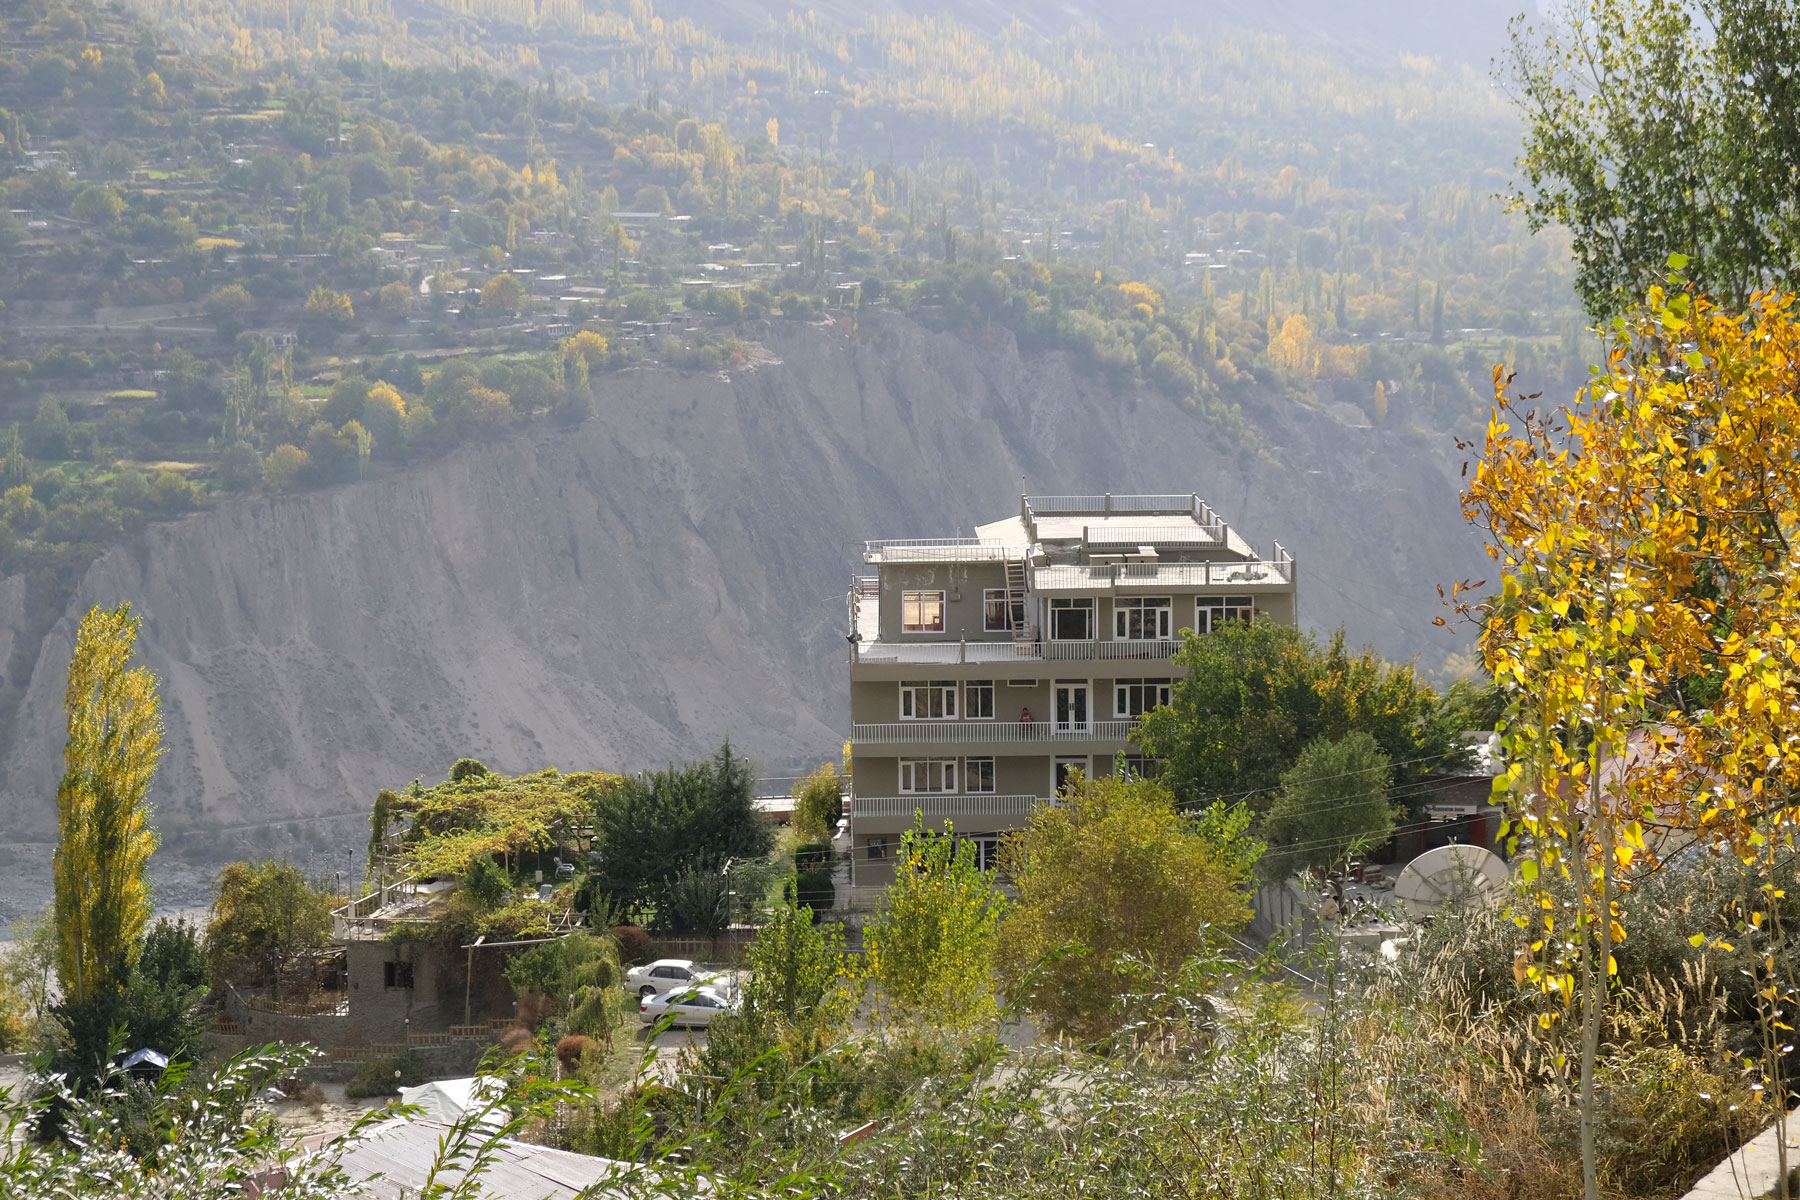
(104,840)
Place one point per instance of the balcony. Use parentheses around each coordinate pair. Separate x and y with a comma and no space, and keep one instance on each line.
(947,653)
(939,804)
(972,733)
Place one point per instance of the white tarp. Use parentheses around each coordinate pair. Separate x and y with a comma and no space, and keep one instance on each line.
(446,1100)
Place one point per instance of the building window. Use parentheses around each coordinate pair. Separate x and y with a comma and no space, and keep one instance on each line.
(927,775)
(1022,683)
(980,697)
(922,612)
(1210,612)
(397,974)
(1139,766)
(934,701)
(1143,620)
(1135,697)
(1064,767)
(987,851)
(996,614)
(878,849)
(978,775)
(1072,620)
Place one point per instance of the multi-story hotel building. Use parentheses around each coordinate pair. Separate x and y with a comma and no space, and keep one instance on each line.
(983,669)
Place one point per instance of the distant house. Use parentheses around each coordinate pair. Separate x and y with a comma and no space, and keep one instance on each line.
(401,985)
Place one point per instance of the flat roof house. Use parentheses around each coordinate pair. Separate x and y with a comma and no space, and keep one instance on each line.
(983,669)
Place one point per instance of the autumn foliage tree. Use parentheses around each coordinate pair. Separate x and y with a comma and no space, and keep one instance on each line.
(1647,628)
(328,307)
(503,292)
(264,916)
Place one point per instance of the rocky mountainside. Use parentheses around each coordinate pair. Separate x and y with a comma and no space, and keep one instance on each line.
(1472,31)
(670,573)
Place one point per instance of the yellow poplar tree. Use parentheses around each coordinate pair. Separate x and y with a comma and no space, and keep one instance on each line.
(1648,624)
(104,839)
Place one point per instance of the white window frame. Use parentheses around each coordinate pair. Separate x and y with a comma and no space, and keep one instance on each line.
(987,849)
(941,771)
(1160,608)
(990,597)
(1152,692)
(1074,604)
(1087,687)
(973,771)
(1210,612)
(922,598)
(975,691)
(917,700)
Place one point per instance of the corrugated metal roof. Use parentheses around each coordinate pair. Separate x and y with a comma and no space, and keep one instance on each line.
(400,1154)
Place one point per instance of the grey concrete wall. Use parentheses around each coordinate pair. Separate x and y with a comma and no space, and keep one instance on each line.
(963,585)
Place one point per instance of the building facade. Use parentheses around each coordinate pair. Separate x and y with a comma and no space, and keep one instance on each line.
(984,669)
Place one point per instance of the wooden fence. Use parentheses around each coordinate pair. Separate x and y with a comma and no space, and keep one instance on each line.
(730,949)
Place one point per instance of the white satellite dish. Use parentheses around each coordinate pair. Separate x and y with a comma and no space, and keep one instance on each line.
(1459,877)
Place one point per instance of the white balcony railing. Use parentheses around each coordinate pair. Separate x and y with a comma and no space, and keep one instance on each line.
(948,653)
(963,733)
(940,804)
(1112,648)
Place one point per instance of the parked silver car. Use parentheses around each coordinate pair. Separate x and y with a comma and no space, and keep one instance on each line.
(665,974)
(694,1007)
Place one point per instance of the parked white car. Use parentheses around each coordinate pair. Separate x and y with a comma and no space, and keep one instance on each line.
(665,974)
(693,1007)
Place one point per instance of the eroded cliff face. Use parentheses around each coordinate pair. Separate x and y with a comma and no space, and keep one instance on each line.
(632,591)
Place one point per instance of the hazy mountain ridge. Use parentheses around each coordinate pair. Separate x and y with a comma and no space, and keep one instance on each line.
(671,572)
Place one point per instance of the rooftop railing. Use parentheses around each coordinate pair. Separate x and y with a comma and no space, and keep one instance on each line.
(1071,506)
(1033,507)
(978,732)
(932,550)
(877,545)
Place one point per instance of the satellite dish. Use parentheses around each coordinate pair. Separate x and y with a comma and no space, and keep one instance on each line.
(1459,877)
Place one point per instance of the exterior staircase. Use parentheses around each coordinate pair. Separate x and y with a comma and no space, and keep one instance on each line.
(1016,613)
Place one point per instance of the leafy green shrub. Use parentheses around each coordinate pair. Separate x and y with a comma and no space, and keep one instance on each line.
(815,890)
(485,883)
(385,1076)
(465,768)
